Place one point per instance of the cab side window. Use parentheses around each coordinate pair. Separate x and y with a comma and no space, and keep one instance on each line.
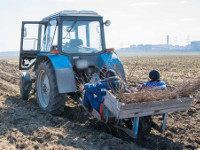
(50,36)
(30,37)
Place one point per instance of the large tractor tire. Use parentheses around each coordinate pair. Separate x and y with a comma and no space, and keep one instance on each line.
(48,97)
(25,85)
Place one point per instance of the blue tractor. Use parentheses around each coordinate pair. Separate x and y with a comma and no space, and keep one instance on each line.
(64,50)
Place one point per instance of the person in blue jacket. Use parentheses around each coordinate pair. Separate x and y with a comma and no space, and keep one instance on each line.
(94,93)
(155,83)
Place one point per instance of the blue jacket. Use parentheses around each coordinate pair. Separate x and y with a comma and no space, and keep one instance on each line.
(157,85)
(94,93)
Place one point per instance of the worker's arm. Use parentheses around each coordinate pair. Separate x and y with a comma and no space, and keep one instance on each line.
(95,89)
(126,89)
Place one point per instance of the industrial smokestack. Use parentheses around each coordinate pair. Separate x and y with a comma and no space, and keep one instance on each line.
(167,40)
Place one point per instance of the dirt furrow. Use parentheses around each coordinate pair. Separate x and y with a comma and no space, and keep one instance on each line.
(9,77)
(9,68)
(7,87)
(23,125)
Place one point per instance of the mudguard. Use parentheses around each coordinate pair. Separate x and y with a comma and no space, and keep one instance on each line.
(64,73)
(111,61)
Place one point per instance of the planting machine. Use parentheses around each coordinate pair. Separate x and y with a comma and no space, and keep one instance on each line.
(66,50)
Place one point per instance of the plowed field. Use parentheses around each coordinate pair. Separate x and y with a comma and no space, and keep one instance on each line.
(23,125)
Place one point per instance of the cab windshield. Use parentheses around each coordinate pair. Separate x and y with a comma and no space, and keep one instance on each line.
(81,37)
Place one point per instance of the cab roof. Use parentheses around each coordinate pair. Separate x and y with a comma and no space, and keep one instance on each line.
(72,13)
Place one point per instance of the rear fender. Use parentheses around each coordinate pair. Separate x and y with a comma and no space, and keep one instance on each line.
(64,72)
(111,61)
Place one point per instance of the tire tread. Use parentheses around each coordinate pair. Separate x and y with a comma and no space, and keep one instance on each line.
(57,99)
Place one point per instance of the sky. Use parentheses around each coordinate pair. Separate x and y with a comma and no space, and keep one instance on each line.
(132,21)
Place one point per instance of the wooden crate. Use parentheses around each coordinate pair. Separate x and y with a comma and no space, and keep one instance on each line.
(121,110)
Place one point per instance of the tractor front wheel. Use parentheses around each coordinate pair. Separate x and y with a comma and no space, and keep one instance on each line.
(25,85)
(48,97)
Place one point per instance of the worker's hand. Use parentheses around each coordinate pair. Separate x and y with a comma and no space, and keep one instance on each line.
(139,87)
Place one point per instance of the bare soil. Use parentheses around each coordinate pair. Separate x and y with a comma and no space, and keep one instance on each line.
(23,125)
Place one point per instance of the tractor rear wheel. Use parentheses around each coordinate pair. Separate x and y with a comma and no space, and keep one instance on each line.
(48,97)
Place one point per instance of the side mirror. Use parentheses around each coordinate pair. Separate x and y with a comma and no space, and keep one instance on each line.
(107,23)
(25,32)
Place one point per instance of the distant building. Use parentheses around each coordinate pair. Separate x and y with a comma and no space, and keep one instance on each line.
(195,45)
(132,46)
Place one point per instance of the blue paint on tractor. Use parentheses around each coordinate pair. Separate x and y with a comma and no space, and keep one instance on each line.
(63,69)
(41,54)
(111,61)
(108,59)
(58,61)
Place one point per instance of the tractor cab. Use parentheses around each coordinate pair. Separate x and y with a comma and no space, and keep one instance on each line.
(66,49)
(66,32)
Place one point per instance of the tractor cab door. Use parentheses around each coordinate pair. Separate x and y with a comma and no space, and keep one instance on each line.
(32,33)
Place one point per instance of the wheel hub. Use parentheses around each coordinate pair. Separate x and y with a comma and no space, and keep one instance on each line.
(43,89)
